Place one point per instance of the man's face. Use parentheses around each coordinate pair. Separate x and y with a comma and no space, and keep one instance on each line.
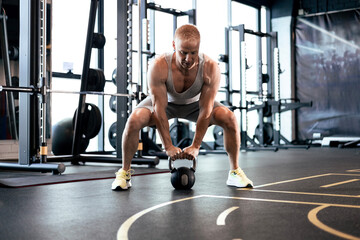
(187,52)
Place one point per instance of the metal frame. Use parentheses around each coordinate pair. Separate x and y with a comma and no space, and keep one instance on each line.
(123,13)
(144,5)
(244,105)
(273,86)
(28,114)
(149,48)
(272,98)
(84,76)
(101,65)
(5,56)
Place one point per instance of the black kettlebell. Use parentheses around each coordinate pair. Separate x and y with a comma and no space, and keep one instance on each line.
(182,177)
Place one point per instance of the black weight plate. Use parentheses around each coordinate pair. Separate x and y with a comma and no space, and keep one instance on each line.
(179,131)
(96,80)
(267,110)
(112,103)
(112,135)
(218,134)
(91,122)
(268,133)
(62,138)
(113,76)
(99,40)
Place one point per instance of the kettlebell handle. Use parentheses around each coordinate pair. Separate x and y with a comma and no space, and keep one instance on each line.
(171,164)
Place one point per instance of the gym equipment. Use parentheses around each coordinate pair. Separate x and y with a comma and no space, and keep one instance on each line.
(218,133)
(245,105)
(43,90)
(99,40)
(112,103)
(62,136)
(32,108)
(92,121)
(267,133)
(182,177)
(267,100)
(180,134)
(7,54)
(266,110)
(13,53)
(113,76)
(96,80)
(149,148)
(112,135)
(138,96)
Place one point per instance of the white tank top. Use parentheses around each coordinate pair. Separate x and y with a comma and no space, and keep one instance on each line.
(192,94)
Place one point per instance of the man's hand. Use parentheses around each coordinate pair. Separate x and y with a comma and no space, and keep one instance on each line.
(174,152)
(190,152)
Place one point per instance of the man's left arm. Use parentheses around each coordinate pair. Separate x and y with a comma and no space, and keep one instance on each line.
(206,104)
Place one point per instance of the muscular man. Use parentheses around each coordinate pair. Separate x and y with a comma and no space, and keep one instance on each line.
(182,84)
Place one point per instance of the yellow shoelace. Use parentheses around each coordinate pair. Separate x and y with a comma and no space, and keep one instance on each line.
(125,174)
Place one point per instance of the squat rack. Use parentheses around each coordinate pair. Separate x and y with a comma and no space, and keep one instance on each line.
(33,111)
(33,84)
(244,104)
(271,104)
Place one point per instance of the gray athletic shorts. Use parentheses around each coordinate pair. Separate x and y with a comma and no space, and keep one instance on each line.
(186,111)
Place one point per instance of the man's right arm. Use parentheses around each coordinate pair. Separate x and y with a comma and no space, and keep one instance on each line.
(157,75)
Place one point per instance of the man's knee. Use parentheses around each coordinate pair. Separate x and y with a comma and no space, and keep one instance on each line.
(138,119)
(225,118)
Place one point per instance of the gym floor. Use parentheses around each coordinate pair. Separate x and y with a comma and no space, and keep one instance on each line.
(298,194)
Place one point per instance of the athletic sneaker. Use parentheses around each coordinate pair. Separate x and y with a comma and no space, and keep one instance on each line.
(122,180)
(237,178)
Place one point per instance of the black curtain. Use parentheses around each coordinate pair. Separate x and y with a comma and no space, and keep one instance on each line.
(328,74)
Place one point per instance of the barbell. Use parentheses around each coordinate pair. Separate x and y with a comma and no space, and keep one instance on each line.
(43,90)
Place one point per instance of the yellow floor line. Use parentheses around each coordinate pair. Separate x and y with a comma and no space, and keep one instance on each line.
(123,231)
(292,180)
(284,201)
(302,193)
(305,178)
(312,216)
(124,228)
(339,183)
(345,174)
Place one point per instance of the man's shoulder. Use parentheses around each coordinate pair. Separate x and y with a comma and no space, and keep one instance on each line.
(208,60)
(158,67)
(209,63)
(159,60)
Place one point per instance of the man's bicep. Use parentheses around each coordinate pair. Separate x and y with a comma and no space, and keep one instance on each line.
(210,89)
(157,85)
(207,98)
(159,96)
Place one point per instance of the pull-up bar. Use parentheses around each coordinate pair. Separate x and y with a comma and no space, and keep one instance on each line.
(260,34)
(249,31)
